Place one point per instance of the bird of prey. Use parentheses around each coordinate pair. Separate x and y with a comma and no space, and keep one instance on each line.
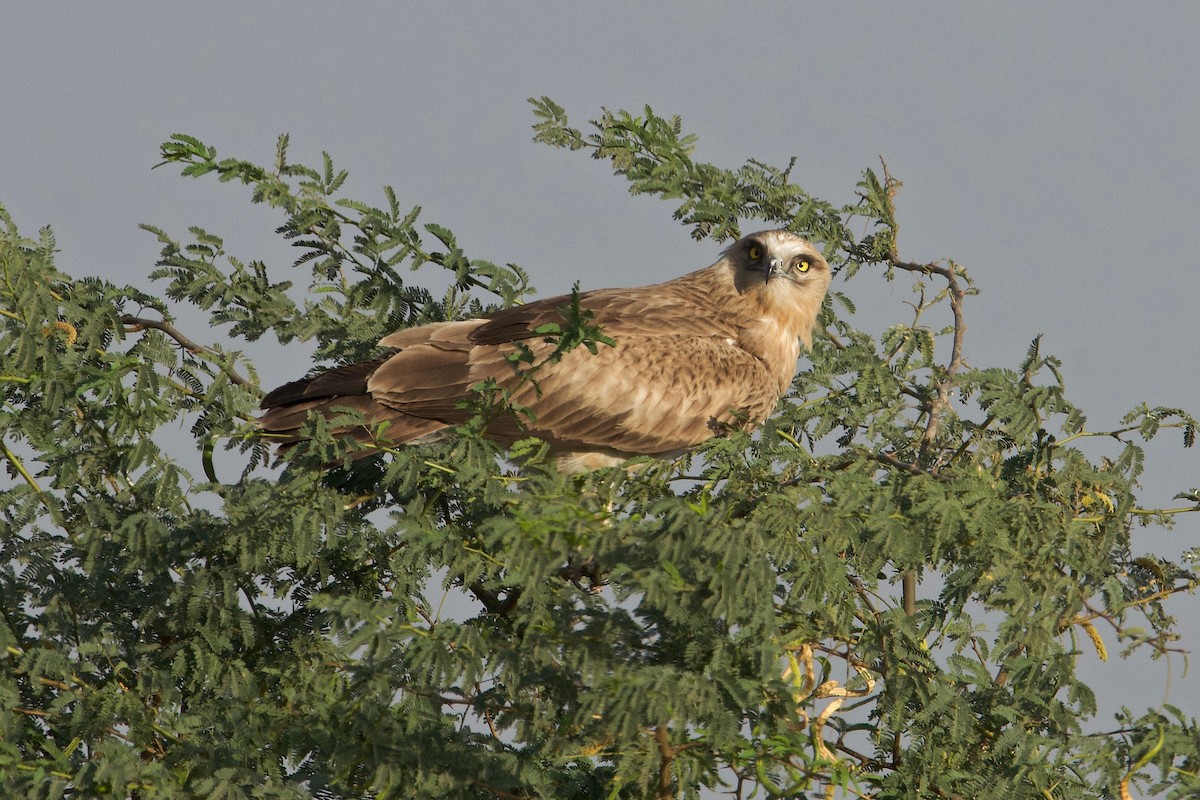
(690,358)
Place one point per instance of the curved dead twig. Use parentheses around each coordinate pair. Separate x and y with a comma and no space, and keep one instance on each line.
(136,324)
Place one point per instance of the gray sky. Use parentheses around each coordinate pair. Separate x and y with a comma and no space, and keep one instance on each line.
(1052,149)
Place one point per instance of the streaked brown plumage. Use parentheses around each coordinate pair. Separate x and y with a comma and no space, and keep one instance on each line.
(711,349)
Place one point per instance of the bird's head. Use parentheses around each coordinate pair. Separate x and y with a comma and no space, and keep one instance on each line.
(785,274)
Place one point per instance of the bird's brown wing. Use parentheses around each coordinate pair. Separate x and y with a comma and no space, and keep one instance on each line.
(420,388)
(645,310)
(646,395)
(608,308)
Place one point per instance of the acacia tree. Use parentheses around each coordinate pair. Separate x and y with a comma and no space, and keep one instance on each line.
(746,621)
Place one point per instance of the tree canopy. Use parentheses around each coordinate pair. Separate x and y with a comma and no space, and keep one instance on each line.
(882,593)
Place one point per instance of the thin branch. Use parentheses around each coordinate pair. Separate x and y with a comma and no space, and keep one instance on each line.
(891,461)
(492,602)
(922,400)
(662,735)
(1115,434)
(1112,618)
(134,324)
(941,399)
(956,293)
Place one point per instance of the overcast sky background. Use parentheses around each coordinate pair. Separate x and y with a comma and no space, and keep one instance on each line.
(1052,149)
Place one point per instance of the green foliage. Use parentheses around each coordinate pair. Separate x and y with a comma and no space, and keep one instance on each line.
(435,623)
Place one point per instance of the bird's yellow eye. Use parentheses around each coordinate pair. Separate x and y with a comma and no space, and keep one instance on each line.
(802,264)
(754,252)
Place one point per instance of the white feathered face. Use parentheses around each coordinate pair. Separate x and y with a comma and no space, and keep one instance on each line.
(779,261)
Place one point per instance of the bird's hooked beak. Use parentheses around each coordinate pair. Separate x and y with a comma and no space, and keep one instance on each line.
(774,269)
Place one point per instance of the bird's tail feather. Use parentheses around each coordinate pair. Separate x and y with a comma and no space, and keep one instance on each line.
(334,394)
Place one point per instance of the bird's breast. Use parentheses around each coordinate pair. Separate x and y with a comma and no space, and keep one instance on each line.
(776,345)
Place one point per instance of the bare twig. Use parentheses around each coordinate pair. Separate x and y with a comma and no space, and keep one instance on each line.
(134,324)
(891,461)
(941,398)
(941,394)
(955,292)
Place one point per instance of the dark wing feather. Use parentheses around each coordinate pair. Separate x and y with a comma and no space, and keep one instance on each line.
(336,391)
(348,380)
